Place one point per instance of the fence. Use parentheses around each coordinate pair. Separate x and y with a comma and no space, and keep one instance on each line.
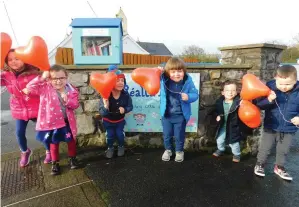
(64,56)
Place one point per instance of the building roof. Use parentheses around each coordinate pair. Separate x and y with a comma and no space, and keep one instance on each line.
(155,48)
(61,44)
(96,22)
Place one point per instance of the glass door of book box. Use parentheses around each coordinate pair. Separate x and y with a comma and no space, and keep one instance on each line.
(96,46)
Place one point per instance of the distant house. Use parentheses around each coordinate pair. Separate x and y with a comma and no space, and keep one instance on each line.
(155,48)
(129,44)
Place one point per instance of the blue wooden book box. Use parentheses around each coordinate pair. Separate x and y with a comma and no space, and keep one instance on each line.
(97,41)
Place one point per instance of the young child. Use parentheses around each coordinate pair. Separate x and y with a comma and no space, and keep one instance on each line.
(23,108)
(229,123)
(113,111)
(56,120)
(281,120)
(177,92)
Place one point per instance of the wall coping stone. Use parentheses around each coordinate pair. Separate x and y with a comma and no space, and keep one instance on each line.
(131,67)
(250,46)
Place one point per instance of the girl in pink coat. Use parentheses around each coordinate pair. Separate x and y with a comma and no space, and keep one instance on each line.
(56,120)
(23,107)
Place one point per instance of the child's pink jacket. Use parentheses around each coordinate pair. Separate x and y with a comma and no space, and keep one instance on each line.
(50,115)
(21,106)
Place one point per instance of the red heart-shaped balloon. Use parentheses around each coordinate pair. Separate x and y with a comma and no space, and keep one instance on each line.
(103,83)
(253,88)
(35,53)
(5,47)
(249,114)
(147,78)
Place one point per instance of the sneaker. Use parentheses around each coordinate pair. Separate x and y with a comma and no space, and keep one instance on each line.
(259,170)
(179,156)
(218,153)
(281,172)
(166,155)
(121,151)
(48,158)
(74,163)
(236,158)
(55,168)
(25,158)
(109,153)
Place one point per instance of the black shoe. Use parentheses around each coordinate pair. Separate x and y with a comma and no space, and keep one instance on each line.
(74,163)
(55,168)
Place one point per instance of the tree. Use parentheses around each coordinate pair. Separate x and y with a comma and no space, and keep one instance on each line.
(193,51)
(290,55)
(196,52)
(296,39)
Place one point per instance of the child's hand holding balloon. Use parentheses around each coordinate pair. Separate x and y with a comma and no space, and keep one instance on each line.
(295,120)
(271,96)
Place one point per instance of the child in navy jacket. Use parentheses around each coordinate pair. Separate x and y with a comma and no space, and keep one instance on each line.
(113,111)
(281,119)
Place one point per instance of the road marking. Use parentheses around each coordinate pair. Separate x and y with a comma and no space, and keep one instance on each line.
(48,193)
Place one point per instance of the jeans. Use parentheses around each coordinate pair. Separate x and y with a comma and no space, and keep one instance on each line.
(221,143)
(115,130)
(21,126)
(174,127)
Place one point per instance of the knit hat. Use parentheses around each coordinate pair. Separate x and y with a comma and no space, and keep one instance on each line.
(113,68)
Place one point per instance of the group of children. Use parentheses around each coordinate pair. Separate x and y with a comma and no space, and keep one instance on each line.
(47,99)
(281,120)
(50,100)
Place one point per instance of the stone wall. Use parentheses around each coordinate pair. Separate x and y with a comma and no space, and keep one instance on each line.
(260,60)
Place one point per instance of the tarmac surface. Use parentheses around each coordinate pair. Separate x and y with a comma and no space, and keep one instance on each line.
(142,179)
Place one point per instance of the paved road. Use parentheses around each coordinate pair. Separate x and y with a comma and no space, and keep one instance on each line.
(8,140)
(143,179)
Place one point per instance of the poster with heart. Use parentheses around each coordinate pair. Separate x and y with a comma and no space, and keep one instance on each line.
(145,116)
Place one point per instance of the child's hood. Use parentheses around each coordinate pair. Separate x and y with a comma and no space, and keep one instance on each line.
(71,89)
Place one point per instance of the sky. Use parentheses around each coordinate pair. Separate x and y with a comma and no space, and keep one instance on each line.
(208,24)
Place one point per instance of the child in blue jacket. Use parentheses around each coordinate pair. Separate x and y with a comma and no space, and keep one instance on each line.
(177,92)
(281,120)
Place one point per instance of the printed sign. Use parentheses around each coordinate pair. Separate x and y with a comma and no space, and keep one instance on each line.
(145,116)
(95,32)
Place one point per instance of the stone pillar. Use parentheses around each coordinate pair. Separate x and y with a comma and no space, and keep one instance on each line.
(264,58)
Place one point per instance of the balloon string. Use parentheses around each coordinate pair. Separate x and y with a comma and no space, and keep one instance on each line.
(283,117)
(171,90)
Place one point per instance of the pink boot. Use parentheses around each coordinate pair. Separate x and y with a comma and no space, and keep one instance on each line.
(48,158)
(25,158)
